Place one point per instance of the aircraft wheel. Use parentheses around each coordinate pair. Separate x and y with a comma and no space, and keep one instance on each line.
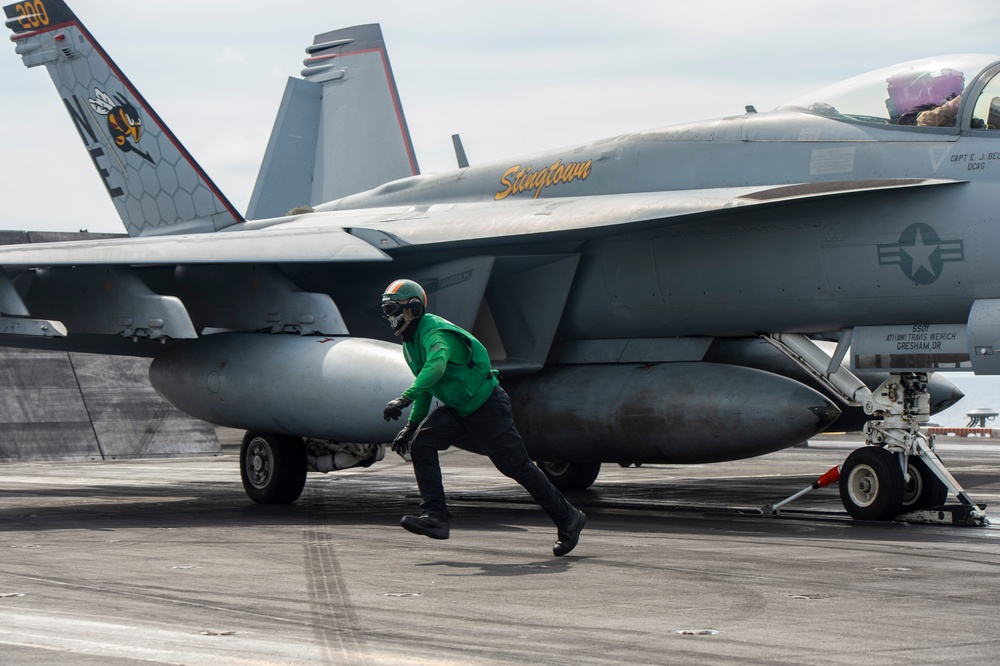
(571,476)
(273,467)
(871,484)
(924,489)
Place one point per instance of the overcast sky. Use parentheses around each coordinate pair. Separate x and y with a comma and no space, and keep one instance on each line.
(511,77)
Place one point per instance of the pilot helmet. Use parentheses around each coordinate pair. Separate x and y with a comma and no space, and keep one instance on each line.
(911,92)
(403,302)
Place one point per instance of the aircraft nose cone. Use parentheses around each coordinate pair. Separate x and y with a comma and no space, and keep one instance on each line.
(825,415)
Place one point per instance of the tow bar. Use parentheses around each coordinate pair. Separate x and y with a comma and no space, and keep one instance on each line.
(832,475)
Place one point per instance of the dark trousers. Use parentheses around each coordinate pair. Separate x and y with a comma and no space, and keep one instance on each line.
(489,431)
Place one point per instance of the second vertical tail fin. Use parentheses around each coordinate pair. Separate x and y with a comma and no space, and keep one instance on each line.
(340,129)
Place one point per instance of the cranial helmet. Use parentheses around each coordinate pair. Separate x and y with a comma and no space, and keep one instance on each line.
(403,302)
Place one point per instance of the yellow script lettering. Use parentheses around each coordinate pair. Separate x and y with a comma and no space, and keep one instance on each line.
(518,179)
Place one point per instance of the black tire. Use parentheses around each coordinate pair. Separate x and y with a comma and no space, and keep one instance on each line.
(571,476)
(871,484)
(273,467)
(924,489)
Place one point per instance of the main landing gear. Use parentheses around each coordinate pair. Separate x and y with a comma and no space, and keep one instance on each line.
(897,475)
(273,467)
(571,476)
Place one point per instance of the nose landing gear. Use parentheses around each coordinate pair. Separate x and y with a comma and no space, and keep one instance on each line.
(897,475)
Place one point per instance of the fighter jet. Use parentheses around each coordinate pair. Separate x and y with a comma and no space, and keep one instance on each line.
(699,293)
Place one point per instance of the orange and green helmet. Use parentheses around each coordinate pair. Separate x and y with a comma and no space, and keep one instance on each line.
(401,298)
(402,291)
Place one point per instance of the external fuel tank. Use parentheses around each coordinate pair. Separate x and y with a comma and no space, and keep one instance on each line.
(664,413)
(336,387)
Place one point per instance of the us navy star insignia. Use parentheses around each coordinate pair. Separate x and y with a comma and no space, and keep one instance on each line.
(920,253)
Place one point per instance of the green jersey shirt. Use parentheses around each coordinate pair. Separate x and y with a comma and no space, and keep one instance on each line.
(450,365)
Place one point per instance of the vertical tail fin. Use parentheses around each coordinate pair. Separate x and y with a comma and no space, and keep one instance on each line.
(340,129)
(154,183)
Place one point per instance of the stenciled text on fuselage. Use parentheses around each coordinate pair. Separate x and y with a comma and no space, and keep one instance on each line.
(518,179)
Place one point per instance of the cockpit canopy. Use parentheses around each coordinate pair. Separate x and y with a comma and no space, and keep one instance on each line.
(921,92)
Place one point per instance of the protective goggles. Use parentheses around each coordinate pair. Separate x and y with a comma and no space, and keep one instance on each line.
(394,309)
(391,309)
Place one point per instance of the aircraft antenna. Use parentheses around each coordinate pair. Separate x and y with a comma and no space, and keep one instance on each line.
(463,161)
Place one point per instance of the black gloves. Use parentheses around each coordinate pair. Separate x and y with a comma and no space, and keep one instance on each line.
(394,408)
(401,445)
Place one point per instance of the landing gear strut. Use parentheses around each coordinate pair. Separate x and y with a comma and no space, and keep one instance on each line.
(898,474)
(903,403)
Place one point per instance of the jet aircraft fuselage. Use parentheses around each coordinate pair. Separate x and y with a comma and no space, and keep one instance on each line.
(630,290)
(850,259)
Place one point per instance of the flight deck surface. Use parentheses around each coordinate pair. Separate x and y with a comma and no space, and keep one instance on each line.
(167,561)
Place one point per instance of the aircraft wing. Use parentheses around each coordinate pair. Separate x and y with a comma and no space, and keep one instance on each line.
(362,235)
(292,243)
(584,218)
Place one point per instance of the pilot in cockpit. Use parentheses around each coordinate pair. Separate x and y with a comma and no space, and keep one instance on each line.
(940,116)
(928,98)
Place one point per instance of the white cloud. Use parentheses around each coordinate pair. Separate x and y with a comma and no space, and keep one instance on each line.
(230,57)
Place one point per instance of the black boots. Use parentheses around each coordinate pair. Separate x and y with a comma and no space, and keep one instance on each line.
(428,525)
(570,535)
